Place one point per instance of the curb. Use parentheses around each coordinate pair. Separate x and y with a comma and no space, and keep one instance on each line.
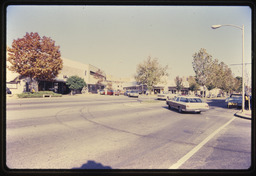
(244,116)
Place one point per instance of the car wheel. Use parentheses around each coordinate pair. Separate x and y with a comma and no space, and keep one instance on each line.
(180,111)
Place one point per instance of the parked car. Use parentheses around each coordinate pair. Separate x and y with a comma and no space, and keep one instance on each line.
(211,96)
(188,104)
(102,92)
(235,100)
(8,91)
(126,93)
(116,92)
(165,96)
(134,93)
(110,92)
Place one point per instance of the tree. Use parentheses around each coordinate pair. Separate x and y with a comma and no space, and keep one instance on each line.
(211,73)
(178,82)
(238,84)
(213,76)
(150,73)
(226,81)
(75,83)
(193,85)
(35,57)
(202,64)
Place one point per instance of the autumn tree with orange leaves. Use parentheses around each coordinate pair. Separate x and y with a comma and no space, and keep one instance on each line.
(35,57)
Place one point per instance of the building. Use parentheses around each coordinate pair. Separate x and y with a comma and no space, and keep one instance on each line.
(18,84)
(166,85)
(85,71)
(118,83)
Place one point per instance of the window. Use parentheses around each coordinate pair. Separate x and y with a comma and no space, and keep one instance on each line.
(195,100)
(183,99)
(92,73)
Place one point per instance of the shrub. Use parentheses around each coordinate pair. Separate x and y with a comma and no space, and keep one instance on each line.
(38,94)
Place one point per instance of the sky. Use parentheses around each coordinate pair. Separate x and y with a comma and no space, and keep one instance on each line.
(118,38)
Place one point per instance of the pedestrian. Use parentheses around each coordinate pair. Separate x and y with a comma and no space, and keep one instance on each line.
(246,101)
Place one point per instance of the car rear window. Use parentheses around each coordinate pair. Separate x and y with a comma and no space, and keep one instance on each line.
(195,100)
(183,99)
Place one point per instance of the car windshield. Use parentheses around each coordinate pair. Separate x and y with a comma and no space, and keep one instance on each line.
(236,98)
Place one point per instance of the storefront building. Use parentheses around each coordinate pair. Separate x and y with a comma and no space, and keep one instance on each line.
(18,84)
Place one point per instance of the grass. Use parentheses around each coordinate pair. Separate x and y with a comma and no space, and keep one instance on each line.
(149,101)
(38,94)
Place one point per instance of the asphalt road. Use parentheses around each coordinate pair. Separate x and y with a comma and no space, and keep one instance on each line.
(117,132)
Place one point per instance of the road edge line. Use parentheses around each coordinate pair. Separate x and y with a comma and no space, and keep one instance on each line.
(199,146)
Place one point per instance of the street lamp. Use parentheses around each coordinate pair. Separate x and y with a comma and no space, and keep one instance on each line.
(242,28)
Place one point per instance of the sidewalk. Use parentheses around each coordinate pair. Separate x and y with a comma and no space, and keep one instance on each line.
(247,114)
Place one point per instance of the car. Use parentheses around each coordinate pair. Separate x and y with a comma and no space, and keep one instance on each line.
(235,100)
(102,92)
(126,93)
(188,104)
(211,96)
(116,92)
(110,92)
(134,93)
(165,96)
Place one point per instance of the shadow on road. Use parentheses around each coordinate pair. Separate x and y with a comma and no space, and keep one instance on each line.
(93,165)
(218,103)
(176,110)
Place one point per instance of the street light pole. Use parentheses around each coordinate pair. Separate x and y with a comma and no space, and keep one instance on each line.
(242,28)
(243,72)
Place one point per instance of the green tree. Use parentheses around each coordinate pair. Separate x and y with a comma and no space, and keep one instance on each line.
(35,57)
(178,82)
(201,64)
(193,85)
(150,73)
(75,83)
(238,84)
(211,73)
(226,81)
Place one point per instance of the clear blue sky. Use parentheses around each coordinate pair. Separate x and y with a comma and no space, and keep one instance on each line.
(117,38)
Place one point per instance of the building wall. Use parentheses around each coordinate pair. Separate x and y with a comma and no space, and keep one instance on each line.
(16,87)
(70,68)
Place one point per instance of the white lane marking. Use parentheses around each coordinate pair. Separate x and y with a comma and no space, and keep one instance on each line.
(195,149)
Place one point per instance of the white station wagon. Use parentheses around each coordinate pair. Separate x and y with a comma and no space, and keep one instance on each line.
(188,104)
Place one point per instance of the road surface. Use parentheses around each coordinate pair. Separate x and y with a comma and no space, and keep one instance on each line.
(118,132)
